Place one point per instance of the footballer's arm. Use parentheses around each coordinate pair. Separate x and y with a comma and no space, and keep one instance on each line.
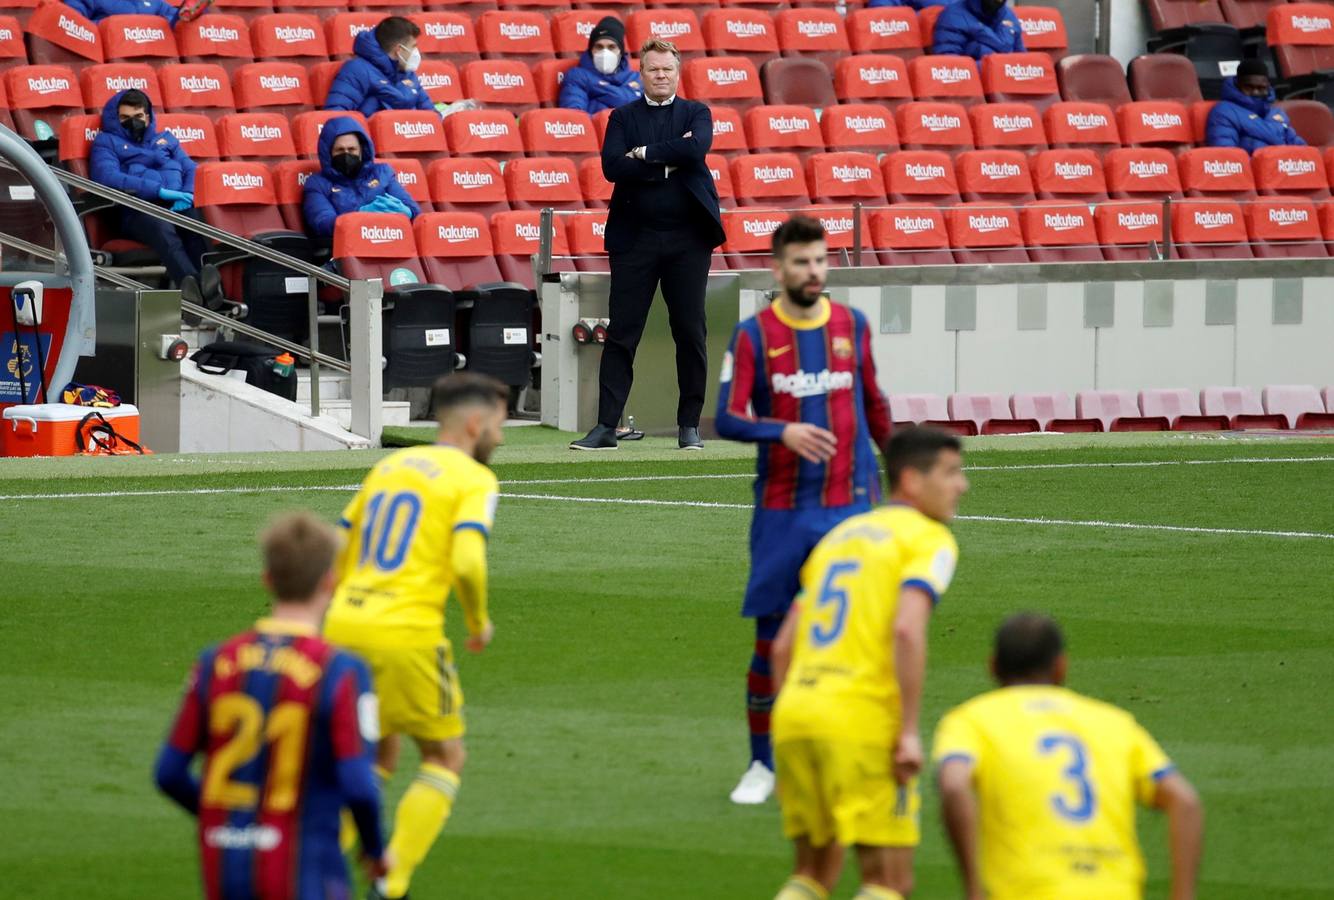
(468,561)
(1185,826)
(959,809)
(914,612)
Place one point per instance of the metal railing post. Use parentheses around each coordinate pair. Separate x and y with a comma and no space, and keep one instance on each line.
(312,310)
(857,233)
(1167,228)
(367,358)
(544,244)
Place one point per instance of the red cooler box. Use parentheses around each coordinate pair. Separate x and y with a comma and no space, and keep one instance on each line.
(47,429)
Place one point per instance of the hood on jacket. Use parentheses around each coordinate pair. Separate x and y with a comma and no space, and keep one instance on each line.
(1258,105)
(111,119)
(975,7)
(333,130)
(368,48)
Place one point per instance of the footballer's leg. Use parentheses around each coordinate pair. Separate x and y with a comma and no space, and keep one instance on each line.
(757,784)
(815,873)
(886,872)
(423,811)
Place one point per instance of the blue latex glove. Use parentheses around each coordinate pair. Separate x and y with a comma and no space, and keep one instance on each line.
(176,196)
(375,205)
(181,206)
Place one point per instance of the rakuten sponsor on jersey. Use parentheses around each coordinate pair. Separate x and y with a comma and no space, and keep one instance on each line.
(811,384)
(248,837)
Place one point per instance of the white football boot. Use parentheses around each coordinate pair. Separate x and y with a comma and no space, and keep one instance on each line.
(755,786)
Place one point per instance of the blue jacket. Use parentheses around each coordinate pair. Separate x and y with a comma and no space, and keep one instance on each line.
(370,81)
(915,4)
(141,169)
(964,30)
(328,194)
(97,10)
(1248,122)
(588,89)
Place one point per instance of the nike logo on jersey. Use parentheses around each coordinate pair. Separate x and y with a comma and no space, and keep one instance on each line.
(775,352)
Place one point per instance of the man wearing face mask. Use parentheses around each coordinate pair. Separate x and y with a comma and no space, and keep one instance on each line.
(603,79)
(350,180)
(383,72)
(131,155)
(1246,116)
(978,28)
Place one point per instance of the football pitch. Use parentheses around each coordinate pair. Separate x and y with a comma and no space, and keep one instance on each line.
(1194,576)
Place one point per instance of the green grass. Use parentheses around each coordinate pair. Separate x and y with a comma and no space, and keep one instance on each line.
(606,722)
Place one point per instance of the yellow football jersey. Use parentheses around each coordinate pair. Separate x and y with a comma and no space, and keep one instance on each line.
(395,575)
(1057,776)
(841,683)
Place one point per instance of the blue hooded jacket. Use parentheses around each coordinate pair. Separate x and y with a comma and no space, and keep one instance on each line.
(1248,122)
(915,4)
(963,29)
(97,10)
(141,169)
(371,81)
(588,89)
(329,194)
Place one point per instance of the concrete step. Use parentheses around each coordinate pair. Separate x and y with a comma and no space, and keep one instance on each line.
(333,386)
(396,412)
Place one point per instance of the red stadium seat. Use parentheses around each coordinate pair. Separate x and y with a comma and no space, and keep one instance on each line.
(1285,227)
(456,249)
(722,181)
(411,176)
(272,87)
(484,132)
(1090,126)
(747,33)
(13,52)
(994,176)
(749,232)
(1242,407)
(1312,120)
(1117,411)
(1013,126)
(723,81)
(934,126)
(246,10)
(1165,15)
(890,30)
(1128,228)
(926,409)
(40,97)
(541,182)
(985,234)
(926,21)
(911,235)
(1216,172)
(1068,175)
(100,83)
(1093,78)
(1060,231)
(290,184)
(570,30)
(255,136)
(1054,412)
(920,176)
(1155,123)
(307,126)
(1164,76)
(845,177)
(954,79)
(196,134)
(5,118)
(377,245)
(1299,404)
(1199,119)
(136,38)
(1020,78)
(341,30)
(769,179)
(1044,30)
(197,87)
(19,10)
(1244,14)
(1292,171)
(838,221)
(76,141)
(1181,408)
(511,35)
(597,189)
(1141,173)
(288,37)
(223,40)
(549,75)
(1302,37)
(516,236)
(784,128)
(798,80)
(881,79)
(989,413)
(729,133)
(815,33)
(1209,229)
(239,197)
(57,35)
(447,36)
(558,132)
(586,233)
(860,126)
(410,133)
(501,84)
(680,26)
(468,185)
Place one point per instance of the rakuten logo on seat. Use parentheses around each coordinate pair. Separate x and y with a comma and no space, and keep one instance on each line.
(668,30)
(1289,216)
(772,174)
(1021,72)
(600,228)
(876,75)
(1295,167)
(865,124)
(789,124)
(380,234)
(406,177)
(243,181)
(924,171)
(884,28)
(818,29)
(1222,168)
(1010,124)
(261,133)
(503,81)
(186,134)
(724,126)
(985,224)
(849,174)
(1073,171)
(290,34)
(143,35)
(1063,221)
(746,29)
(1035,27)
(563,130)
(1086,121)
(1143,169)
(126,83)
(999,170)
(1213,219)
(473,180)
(728,77)
(545,178)
(528,231)
(940,122)
(280,83)
(951,74)
(516,31)
(218,34)
(414,130)
(760,227)
(1311,24)
(488,130)
(1159,121)
(444,31)
(811,384)
(457,234)
(48,85)
(1137,221)
(914,224)
(76,31)
(432,80)
(836,224)
(200,84)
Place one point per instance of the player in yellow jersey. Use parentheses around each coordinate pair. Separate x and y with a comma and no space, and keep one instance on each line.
(416,531)
(845,723)
(1039,784)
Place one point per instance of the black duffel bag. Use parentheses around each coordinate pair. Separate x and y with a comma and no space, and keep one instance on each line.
(259,363)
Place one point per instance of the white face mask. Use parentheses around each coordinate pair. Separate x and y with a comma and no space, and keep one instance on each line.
(606,61)
(413,61)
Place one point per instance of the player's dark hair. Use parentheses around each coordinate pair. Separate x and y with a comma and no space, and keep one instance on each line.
(797,230)
(134,99)
(467,388)
(1027,646)
(299,549)
(395,30)
(916,447)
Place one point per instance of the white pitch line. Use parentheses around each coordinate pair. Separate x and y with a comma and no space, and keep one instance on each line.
(182,492)
(705,504)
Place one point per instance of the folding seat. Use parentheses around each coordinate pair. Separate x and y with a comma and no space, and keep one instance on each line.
(926,22)
(341,30)
(570,30)
(994,176)
(1077,124)
(1181,408)
(813,33)
(586,233)
(468,184)
(1164,76)
(798,80)
(196,134)
(845,177)
(749,234)
(602,117)
(1244,14)
(517,237)
(289,37)
(197,87)
(1299,404)
(511,35)
(952,79)
(1020,78)
(100,83)
(747,33)
(1055,412)
(989,413)
(1093,78)
(377,245)
(548,76)
(769,179)
(542,182)
(484,132)
(926,409)
(57,35)
(1166,15)
(255,136)
(411,176)
(1209,229)
(680,26)
(447,36)
(911,235)
(718,168)
(1117,411)
(729,133)
(1242,407)
(306,128)
(440,80)
(838,221)
(410,133)
(1044,30)
(888,30)
(723,81)
(1199,119)
(1311,119)
(596,189)
(218,39)
(873,78)
(77,133)
(985,234)
(860,126)
(501,84)
(5,118)
(39,97)
(19,10)
(282,88)
(13,52)
(1155,123)
(1326,212)
(1130,230)
(920,176)
(1012,126)
(136,38)
(1301,37)
(1068,175)
(559,132)
(784,129)
(245,10)
(289,180)
(1285,227)
(456,249)
(934,126)
(317,8)
(1217,172)
(1059,231)
(1290,171)
(469,8)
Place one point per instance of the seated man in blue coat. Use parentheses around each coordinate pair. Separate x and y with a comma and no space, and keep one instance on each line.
(350,180)
(978,28)
(97,10)
(383,72)
(131,155)
(603,79)
(1246,116)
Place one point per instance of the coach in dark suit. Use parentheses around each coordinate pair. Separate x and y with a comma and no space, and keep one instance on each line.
(662,228)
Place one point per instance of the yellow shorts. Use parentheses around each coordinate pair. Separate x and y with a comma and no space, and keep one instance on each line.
(845,792)
(418,689)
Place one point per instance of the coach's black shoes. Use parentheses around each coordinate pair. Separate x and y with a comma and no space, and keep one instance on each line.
(600,438)
(688,439)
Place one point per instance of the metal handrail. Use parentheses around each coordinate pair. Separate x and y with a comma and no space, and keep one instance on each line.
(53,256)
(227,321)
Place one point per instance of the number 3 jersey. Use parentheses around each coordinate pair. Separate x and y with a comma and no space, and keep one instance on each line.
(1057,776)
(395,568)
(841,684)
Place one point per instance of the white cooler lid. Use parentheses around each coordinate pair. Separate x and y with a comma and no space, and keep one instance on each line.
(65,412)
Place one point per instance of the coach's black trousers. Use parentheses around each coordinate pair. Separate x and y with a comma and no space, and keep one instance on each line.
(679,260)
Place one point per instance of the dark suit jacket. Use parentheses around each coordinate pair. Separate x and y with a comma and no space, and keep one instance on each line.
(629,128)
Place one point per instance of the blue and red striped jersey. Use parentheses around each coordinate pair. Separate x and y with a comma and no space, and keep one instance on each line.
(287,725)
(779,370)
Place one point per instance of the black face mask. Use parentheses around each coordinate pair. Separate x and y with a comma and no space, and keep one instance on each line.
(991,7)
(347,164)
(137,129)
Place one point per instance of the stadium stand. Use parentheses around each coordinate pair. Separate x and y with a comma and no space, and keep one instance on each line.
(57,35)
(994,176)
(890,30)
(1299,404)
(985,234)
(1021,78)
(845,177)
(1060,231)
(1142,173)
(911,235)
(456,248)
(1068,175)
(1053,412)
(1044,30)
(873,78)
(723,81)
(1116,411)
(1081,124)
(1013,126)
(953,79)
(1181,409)
(861,126)
(741,33)
(1286,227)
(784,129)
(1242,408)
(543,182)
(934,126)
(1312,120)
(988,414)
(1295,171)
(1094,79)
(468,184)
(803,81)
(926,409)
(814,33)
(1216,172)
(1210,229)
